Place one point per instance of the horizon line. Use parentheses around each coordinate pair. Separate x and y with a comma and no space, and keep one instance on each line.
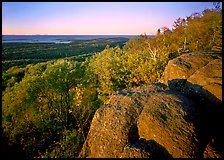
(72,34)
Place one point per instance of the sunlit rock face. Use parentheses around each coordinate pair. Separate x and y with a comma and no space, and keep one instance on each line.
(147,121)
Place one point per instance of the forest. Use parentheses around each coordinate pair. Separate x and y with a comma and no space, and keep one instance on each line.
(22,54)
(47,107)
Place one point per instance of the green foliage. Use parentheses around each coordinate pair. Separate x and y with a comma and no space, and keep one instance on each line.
(51,99)
(200,31)
(22,54)
(68,146)
(11,76)
(142,61)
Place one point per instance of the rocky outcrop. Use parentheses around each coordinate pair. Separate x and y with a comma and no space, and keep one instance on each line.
(199,76)
(147,121)
(197,73)
(180,119)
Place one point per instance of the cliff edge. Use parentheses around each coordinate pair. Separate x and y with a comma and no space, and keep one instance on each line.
(179,117)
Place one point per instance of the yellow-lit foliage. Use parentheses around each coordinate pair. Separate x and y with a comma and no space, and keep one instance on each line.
(116,68)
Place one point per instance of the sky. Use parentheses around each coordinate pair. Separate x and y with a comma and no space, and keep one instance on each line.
(94,18)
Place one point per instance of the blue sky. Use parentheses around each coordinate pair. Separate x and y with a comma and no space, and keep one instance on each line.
(79,18)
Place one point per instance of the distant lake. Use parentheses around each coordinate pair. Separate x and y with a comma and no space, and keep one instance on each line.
(56,38)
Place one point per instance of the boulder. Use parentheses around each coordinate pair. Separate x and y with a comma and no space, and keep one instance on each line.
(207,81)
(150,121)
(198,74)
(169,119)
(109,130)
(185,65)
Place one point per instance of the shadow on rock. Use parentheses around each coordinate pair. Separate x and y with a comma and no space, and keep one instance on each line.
(209,116)
(154,149)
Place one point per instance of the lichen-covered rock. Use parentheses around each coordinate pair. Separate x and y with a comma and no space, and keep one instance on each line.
(110,127)
(147,121)
(169,120)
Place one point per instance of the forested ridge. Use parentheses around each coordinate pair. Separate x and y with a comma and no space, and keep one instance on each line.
(47,107)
